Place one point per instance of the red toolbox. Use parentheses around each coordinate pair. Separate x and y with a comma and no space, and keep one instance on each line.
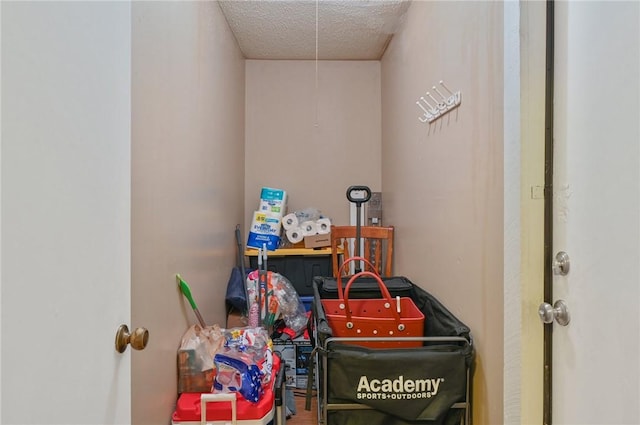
(232,408)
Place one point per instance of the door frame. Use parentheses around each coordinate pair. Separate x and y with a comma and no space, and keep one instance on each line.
(524,156)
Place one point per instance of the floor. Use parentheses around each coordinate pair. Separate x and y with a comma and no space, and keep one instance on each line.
(304,417)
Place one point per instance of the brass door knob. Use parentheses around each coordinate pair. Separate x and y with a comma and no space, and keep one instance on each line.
(138,338)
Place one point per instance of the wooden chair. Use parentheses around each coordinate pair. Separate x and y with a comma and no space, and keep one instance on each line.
(378,247)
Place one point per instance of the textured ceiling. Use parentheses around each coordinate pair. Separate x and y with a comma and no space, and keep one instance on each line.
(347,29)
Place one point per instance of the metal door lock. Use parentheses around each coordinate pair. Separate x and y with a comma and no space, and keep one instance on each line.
(558,311)
(561,264)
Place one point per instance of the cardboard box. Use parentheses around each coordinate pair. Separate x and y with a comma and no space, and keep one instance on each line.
(317,241)
(295,354)
(196,369)
(235,319)
(303,355)
(287,352)
(191,377)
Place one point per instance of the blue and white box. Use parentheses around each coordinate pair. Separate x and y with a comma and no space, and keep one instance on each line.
(265,229)
(273,201)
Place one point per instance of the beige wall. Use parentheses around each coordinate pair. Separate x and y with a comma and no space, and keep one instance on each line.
(449,175)
(187,182)
(312,143)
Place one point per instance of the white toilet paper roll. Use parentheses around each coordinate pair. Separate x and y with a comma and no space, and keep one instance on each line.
(290,221)
(323,226)
(308,228)
(294,235)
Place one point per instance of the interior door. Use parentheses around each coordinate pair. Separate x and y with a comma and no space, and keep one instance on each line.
(65,197)
(596,215)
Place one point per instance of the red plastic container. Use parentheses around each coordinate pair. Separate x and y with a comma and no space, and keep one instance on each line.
(189,412)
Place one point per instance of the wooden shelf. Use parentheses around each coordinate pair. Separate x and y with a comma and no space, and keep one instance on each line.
(249,252)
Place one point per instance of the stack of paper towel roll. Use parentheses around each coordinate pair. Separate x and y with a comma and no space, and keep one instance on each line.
(266,225)
(296,231)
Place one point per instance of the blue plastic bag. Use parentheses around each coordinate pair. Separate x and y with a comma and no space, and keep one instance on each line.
(237,373)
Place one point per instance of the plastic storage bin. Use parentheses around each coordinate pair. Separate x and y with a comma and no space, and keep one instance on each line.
(299,265)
